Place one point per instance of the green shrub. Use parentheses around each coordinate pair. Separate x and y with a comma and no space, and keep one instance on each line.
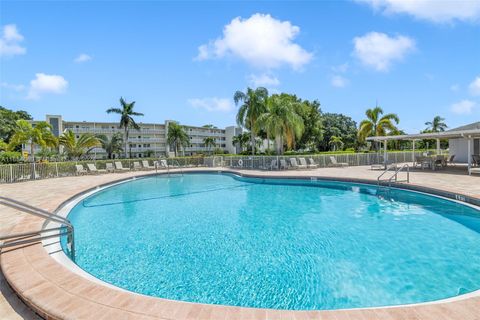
(10,157)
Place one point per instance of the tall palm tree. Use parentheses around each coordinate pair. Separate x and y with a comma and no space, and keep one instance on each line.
(241,140)
(177,136)
(253,105)
(76,148)
(209,142)
(336,142)
(126,119)
(281,122)
(437,125)
(40,134)
(111,145)
(377,124)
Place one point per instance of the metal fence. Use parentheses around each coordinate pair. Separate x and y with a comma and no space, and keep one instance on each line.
(32,171)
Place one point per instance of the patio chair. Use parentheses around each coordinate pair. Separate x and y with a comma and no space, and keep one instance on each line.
(146,165)
(273,165)
(474,170)
(136,165)
(476,160)
(283,164)
(93,168)
(311,163)
(119,166)
(334,163)
(450,160)
(303,163)
(109,167)
(80,169)
(163,164)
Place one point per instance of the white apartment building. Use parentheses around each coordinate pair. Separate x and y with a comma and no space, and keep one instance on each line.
(151,139)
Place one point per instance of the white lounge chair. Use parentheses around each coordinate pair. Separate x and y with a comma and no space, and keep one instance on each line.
(303,163)
(334,163)
(474,170)
(119,166)
(163,164)
(311,163)
(93,168)
(146,165)
(283,164)
(109,167)
(273,165)
(80,169)
(136,165)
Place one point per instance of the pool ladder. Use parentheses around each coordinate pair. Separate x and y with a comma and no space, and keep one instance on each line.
(394,177)
(25,238)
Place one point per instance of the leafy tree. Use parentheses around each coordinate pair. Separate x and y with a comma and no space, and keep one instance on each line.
(241,140)
(209,142)
(437,125)
(40,134)
(8,122)
(177,137)
(3,145)
(210,126)
(126,119)
(339,125)
(312,120)
(253,105)
(336,142)
(76,148)
(112,145)
(281,122)
(377,124)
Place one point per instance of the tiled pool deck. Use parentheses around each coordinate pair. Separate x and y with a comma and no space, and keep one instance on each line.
(55,292)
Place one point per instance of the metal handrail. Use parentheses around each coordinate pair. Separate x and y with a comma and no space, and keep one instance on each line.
(16,239)
(395,175)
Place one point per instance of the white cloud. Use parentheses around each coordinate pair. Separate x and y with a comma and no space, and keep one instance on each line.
(10,41)
(83,57)
(463,107)
(263,80)
(341,68)
(339,81)
(474,87)
(379,50)
(435,11)
(261,41)
(46,83)
(212,104)
(14,87)
(455,87)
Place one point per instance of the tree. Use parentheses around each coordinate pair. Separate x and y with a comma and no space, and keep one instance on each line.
(112,145)
(336,142)
(76,148)
(377,124)
(8,122)
(40,134)
(209,142)
(126,119)
(3,145)
(210,126)
(253,105)
(437,125)
(177,137)
(281,122)
(334,124)
(241,140)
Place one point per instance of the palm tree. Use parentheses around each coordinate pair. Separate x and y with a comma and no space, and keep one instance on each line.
(282,122)
(76,148)
(253,105)
(241,140)
(177,136)
(209,142)
(40,134)
(3,145)
(376,124)
(336,142)
(126,119)
(437,125)
(112,145)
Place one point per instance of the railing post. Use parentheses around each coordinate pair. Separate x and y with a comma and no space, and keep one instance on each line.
(56,168)
(11,173)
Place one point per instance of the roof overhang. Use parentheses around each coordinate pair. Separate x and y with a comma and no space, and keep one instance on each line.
(434,135)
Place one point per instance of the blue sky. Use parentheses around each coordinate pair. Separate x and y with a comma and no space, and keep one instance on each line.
(184,60)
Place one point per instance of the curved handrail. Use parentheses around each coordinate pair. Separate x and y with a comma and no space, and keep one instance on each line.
(395,175)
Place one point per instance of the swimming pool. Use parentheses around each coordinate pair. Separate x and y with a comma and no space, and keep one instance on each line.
(282,244)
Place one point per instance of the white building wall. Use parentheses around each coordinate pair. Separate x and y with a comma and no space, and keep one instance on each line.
(459,148)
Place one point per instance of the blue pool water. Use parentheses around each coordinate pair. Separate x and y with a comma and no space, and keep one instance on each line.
(283,244)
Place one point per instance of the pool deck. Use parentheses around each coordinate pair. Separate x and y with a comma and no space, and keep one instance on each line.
(55,292)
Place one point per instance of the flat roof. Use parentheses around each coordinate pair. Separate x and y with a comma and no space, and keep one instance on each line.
(473,133)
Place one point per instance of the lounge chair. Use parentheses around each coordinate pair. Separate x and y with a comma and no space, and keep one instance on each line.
(303,163)
(119,166)
(80,169)
(283,164)
(136,165)
(311,163)
(450,160)
(163,164)
(146,165)
(476,159)
(273,165)
(334,163)
(475,170)
(109,167)
(93,168)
